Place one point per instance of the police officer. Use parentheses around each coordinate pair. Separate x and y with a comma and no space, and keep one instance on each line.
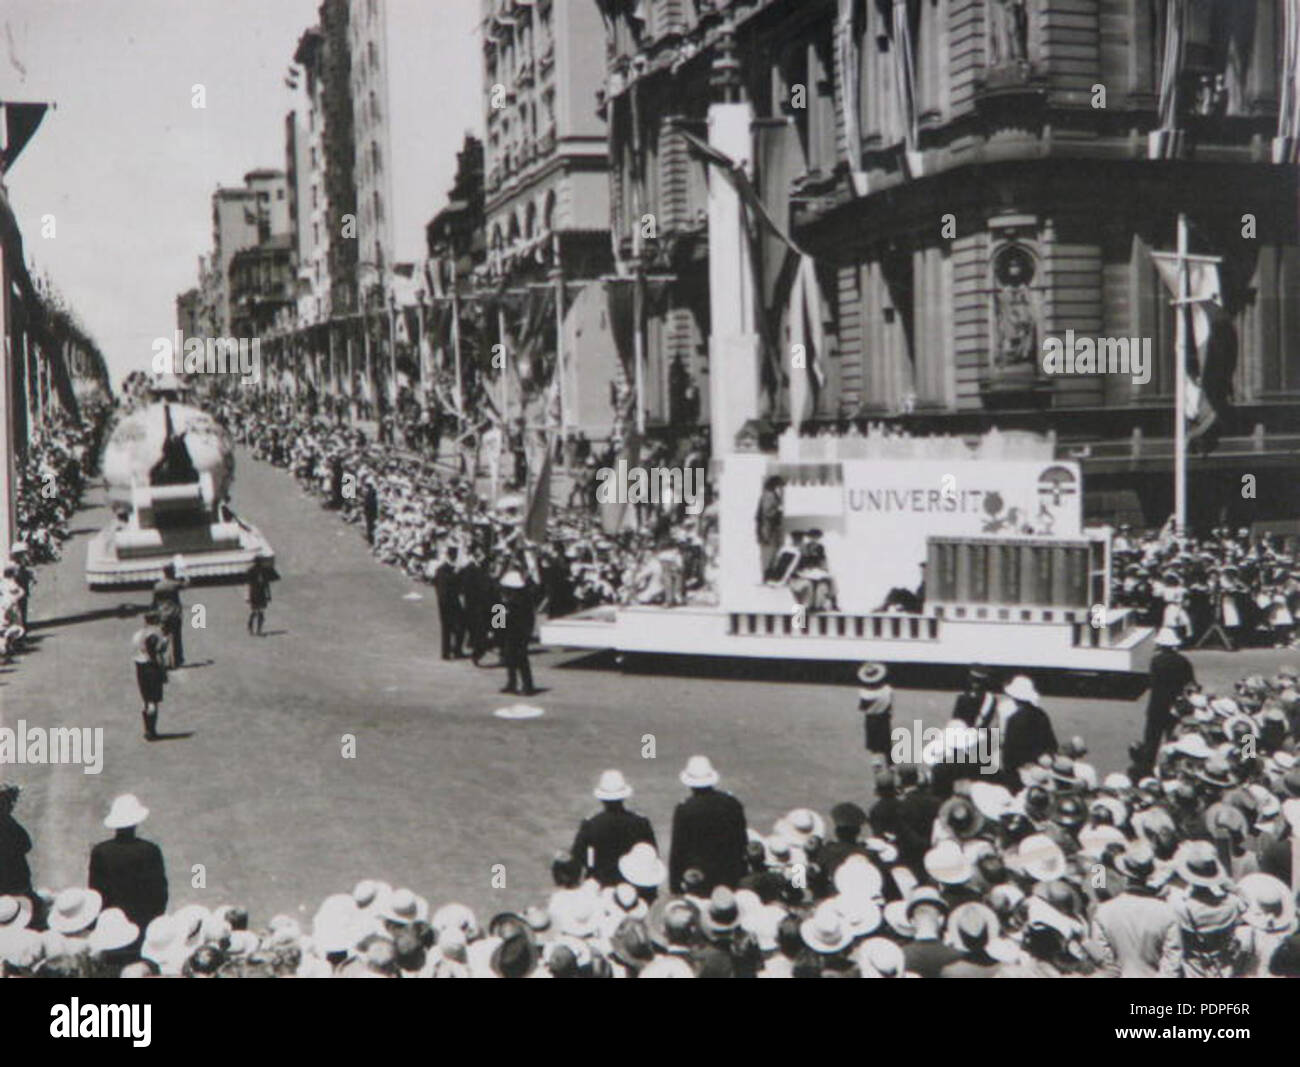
(519,597)
(607,836)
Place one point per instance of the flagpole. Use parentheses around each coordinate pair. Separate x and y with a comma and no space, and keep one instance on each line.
(559,347)
(1180,383)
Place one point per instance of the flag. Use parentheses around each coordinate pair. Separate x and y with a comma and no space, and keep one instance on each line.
(1163,141)
(539,502)
(21,121)
(1286,147)
(904,71)
(849,85)
(1210,352)
(806,329)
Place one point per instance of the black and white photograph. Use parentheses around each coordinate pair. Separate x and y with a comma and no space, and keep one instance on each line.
(651,489)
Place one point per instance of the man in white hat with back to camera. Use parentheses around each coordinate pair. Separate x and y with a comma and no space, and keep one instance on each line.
(1171,674)
(128,871)
(708,831)
(610,834)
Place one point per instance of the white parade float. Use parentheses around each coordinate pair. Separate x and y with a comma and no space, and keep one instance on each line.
(168,468)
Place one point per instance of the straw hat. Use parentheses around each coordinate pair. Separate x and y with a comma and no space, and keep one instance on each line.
(126,811)
(699,773)
(1271,907)
(825,931)
(947,864)
(1197,864)
(642,866)
(112,930)
(872,673)
(800,825)
(74,910)
(15,912)
(1041,858)
(405,906)
(1021,688)
(612,786)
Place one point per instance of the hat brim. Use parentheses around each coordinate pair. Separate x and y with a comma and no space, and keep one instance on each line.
(612,794)
(704,782)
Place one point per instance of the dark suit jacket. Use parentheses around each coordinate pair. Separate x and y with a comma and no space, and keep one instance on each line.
(15,875)
(1027,735)
(915,824)
(708,834)
(609,835)
(129,874)
(1171,672)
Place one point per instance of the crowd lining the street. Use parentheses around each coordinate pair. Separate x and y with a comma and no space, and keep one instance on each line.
(1048,869)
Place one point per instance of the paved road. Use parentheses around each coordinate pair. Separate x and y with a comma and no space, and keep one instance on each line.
(253,784)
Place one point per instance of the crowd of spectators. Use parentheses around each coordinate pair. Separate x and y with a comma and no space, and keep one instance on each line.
(1248,586)
(414,506)
(1188,871)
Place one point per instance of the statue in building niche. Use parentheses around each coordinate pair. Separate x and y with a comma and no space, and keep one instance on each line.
(1008,33)
(1015,309)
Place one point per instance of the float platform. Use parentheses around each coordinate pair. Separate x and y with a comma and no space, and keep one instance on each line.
(1052,638)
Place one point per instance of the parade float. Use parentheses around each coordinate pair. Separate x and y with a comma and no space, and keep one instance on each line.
(168,468)
(992,527)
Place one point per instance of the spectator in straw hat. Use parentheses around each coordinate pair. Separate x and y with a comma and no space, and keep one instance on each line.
(708,831)
(127,870)
(925,912)
(1137,934)
(604,838)
(1026,729)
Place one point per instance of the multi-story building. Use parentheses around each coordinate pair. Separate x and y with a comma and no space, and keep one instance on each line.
(393,85)
(261,285)
(976,177)
(243,218)
(189,313)
(547,185)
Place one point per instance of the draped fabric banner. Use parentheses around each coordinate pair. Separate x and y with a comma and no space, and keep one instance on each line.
(905,82)
(787,275)
(1163,141)
(1286,146)
(849,34)
(807,332)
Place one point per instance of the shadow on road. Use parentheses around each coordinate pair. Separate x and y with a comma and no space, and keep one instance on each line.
(121,611)
(173,737)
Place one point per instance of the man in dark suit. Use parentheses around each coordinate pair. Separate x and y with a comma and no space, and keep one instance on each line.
(370,509)
(708,831)
(915,815)
(476,599)
(606,837)
(1026,730)
(451,614)
(520,597)
(1171,674)
(126,871)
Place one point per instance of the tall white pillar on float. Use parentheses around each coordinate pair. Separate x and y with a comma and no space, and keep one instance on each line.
(733,338)
(734,347)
